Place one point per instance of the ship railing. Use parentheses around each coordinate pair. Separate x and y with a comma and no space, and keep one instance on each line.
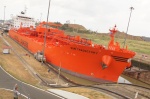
(52,35)
(75,39)
(65,40)
(98,46)
(27,34)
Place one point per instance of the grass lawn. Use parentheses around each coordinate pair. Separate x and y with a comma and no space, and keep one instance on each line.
(5,94)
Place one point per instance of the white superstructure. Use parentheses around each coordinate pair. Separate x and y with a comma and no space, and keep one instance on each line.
(23,20)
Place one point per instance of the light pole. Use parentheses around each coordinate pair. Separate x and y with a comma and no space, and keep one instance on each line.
(45,32)
(41,17)
(74,27)
(131,8)
(4,14)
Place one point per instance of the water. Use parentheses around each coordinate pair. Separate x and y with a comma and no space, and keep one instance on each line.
(123,80)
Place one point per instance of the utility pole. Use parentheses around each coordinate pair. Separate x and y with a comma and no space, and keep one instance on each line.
(131,8)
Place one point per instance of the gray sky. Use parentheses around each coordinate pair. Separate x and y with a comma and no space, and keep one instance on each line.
(96,15)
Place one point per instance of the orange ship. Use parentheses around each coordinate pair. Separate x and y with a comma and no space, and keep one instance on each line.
(74,55)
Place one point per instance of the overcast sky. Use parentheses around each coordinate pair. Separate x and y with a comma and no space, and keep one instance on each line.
(96,15)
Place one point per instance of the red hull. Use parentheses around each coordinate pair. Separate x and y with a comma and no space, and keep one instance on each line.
(83,60)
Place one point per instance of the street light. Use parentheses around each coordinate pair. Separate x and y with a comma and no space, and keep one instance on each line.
(4,14)
(74,27)
(131,8)
(40,17)
(45,32)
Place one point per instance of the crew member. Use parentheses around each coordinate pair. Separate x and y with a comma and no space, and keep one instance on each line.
(16,93)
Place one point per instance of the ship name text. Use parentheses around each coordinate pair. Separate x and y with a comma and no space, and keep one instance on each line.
(83,50)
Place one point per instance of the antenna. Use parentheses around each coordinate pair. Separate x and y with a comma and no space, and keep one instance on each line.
(25,9)
(131,8)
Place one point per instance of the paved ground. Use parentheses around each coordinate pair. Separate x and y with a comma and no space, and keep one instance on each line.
(6,81)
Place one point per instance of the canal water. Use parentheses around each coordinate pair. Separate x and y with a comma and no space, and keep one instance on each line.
(123,80)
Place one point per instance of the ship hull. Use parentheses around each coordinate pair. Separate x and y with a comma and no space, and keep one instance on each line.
(78,60)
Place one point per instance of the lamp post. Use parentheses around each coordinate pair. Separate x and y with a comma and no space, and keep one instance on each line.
(4,14)
(41,17)
(131,8)
(74,27)
(45,32)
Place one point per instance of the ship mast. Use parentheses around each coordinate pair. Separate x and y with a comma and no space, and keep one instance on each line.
(25,10)
(46,31)
(112,33)
(131,8)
